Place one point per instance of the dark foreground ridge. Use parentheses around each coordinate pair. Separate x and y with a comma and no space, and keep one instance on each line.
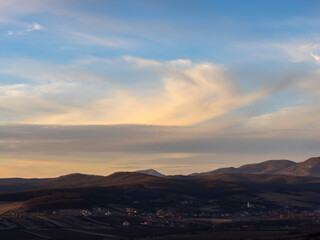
(140,205)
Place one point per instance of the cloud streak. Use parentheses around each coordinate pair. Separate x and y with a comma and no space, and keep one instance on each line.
(301,52)
(28,29)
(190,93)
(103,149)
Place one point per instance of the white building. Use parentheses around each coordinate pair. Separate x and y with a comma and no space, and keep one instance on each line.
(126,224)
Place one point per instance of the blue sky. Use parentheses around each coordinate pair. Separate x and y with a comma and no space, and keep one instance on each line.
(163,30)
(203,74)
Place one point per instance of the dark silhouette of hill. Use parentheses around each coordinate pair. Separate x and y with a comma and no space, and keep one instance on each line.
(81,190)
(125,178)
(124,188)
(76,180)
(20,180)
(71,180)
(151,172)
(308,168)
(267,169)
(83,180)
(268,181)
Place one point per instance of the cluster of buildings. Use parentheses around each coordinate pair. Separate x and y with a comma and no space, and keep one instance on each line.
(132,212)
(95,212)
(186,212)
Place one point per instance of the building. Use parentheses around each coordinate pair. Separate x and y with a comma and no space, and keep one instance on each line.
(126,224)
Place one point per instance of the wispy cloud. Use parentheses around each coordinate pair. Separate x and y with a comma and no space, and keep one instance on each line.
(103,41)
(191,93)
(297,116)
(301,52)
(28,29)
(182,93)
(71,24)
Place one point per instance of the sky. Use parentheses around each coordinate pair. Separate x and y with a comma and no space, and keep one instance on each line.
(184,86)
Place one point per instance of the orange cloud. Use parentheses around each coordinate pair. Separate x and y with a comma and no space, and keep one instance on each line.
(191,93)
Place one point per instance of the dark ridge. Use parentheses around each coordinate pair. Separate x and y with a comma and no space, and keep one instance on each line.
(308,168)
(151,172)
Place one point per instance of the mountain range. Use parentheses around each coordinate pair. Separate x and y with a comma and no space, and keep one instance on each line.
(268,172)
(270,183)
(126,188)
(308,168)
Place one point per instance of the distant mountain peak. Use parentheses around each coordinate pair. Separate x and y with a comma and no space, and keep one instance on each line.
(151,172)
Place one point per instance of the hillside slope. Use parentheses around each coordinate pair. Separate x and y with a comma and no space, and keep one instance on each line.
(151,172)
(308,168)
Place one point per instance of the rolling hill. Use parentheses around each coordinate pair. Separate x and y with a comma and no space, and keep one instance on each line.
(79,190)
(308,168)
(151,188)
(151,172)
(76,180)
